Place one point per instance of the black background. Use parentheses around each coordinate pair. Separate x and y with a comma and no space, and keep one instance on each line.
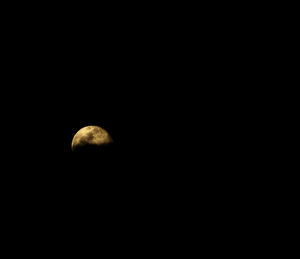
(164,88)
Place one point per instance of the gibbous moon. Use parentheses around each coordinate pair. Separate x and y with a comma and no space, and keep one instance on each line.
(91,137)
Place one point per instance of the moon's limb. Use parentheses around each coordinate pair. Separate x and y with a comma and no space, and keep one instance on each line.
(91,136)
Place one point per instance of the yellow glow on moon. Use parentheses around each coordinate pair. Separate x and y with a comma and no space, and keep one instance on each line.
(91,136)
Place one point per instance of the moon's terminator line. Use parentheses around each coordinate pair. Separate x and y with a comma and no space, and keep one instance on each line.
(91,136)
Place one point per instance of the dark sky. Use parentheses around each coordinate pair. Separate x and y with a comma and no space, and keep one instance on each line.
(158,83)
(62,75)
(156,88)
(164,90)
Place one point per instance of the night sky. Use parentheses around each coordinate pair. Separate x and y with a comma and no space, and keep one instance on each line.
(146,83)
(65,76)
(166,94)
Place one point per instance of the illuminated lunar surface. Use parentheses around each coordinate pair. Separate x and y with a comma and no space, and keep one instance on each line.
(91,136)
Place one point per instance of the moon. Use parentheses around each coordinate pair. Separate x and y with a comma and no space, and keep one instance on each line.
(90,137)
